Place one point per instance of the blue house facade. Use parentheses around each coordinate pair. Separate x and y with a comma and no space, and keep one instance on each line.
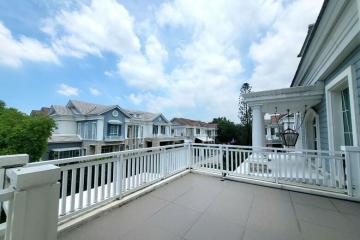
(86,128)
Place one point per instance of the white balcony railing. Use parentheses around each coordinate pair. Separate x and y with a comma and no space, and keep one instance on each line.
(95,179)
(322,170)
(89,181)
(113,138)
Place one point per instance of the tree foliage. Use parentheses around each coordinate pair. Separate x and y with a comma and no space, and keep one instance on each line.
(229,132)
(20,133)
(245,113)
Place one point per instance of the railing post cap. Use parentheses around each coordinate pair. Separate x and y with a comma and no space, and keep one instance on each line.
(28,177)
(13,160)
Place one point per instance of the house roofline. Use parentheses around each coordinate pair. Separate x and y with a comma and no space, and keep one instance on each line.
(308,41)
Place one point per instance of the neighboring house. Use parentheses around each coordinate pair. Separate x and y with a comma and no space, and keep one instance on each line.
(43,110)
(276,125)
(326,83)
(193,130)
(147,129)
(87,128)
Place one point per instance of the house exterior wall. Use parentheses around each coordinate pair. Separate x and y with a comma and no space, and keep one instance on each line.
(65,125)
(352,60)
(337,34)
(108,116)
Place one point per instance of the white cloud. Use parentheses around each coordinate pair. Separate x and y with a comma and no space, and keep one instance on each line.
(135,99)
(275,54)
(208,77)
(14,51)
(67,90)
(145,71)
(91,29)
(94,91)
(202,72)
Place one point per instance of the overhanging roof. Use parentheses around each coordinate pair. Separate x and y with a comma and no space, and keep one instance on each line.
(293,98)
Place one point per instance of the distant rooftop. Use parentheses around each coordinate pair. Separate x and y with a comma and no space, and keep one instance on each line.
(193,123)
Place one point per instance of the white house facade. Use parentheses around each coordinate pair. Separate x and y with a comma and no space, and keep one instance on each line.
(325,88)
(84,128)
(193,130)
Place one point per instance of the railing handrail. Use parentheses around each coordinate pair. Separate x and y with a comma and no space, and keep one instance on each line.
(103,155)
(270,148)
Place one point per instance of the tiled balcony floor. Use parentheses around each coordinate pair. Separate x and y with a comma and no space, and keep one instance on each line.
(202,207)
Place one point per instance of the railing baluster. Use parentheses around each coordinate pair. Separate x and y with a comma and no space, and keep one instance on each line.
(96,184)
(142,170)
(108,180)
(114,173)
(64,191)
(102,177)
(88,189)
(81,188)
(73,189)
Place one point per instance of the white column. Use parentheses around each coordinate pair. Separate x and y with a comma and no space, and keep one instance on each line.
(258,127)
(36,203)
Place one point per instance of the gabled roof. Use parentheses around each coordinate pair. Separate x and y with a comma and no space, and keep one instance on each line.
(60,110)
(193,123)
(85,108)
(144,116)
(75,107)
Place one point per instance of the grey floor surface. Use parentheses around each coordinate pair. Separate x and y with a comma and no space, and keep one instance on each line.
(203,207)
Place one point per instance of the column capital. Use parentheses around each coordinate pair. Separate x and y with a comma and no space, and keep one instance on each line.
(257,106)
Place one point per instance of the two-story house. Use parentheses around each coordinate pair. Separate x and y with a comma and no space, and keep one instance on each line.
(86,128)
(147,129)
(193,130)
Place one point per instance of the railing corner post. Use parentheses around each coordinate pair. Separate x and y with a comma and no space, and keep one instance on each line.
(36,203)
(352,170)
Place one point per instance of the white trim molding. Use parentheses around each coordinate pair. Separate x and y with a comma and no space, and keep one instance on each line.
(333,109)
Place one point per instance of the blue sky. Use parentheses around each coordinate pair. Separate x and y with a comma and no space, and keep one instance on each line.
(181,57)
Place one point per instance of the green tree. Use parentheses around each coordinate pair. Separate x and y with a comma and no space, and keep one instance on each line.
(227,130)
(245,115)
(20,133)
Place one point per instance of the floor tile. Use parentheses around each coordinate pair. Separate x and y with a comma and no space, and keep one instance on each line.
(213,227)
(175,219)
(312,200)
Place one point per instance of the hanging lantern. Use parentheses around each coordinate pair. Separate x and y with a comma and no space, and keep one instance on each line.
(289,136)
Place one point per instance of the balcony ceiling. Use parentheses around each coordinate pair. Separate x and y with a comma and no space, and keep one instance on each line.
(294,98)
(203,207)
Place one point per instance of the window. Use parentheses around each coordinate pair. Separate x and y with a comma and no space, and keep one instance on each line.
(314,126)
(342,110)
(155,129)
(114,130)
(64,154)
(346,114)
(87,130)
(272,130)
(93,130)
(198,131)
(163,129)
